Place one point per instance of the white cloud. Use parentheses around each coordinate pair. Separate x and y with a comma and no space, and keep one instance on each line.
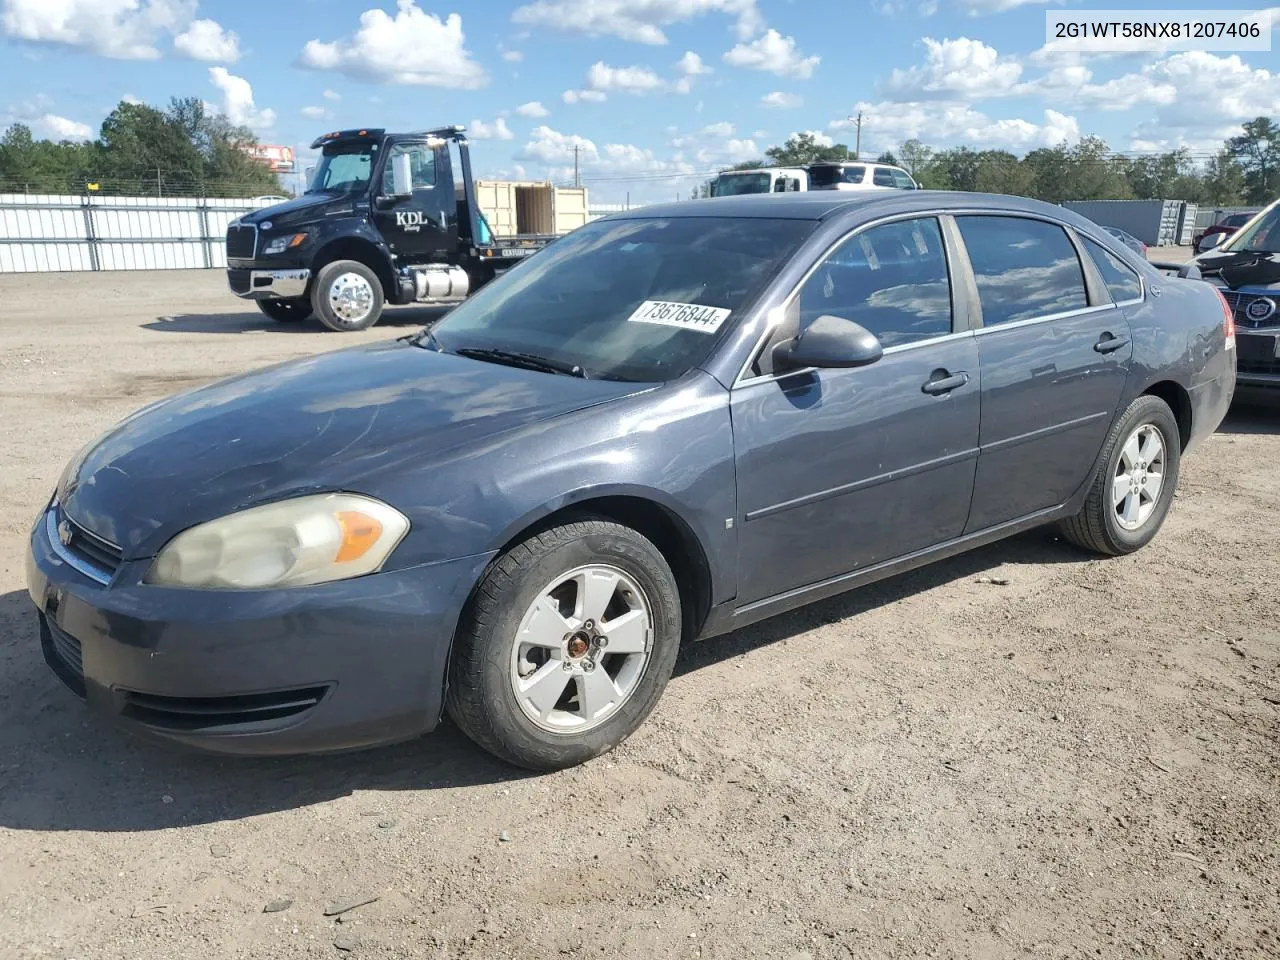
(977,8)
(960,69)
(207,40)
(634,80)
(692,65)
(942,125)
(498,130)
(552,147)
(640,21)
(60,128)
(333,95)
(774,53)
(130,98)
(412,48)
(119,29)
(584,96)
(316,113)
(714,145)
(781,101)
(237,100)
(819,138)
(512,56)
(533,108)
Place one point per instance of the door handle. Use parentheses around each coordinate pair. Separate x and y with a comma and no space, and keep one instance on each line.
(943,382)
(1108,343)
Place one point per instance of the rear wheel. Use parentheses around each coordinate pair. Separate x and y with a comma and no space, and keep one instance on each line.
(1134,488)
(346,296)
(566,647)
(286,311)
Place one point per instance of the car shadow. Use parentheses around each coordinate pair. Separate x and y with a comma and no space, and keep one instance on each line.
(246,321)
(1253,416)
(64,768)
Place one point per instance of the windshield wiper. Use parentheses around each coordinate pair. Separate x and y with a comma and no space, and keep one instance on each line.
(529,361)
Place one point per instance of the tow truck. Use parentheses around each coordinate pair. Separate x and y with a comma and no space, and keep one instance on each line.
(384,221)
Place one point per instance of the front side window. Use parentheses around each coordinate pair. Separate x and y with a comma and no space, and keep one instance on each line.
(344,168)
(634,299)
(891,279)
(884,177)
(902,180)
(1024,268)
(422,164)
(1121,281)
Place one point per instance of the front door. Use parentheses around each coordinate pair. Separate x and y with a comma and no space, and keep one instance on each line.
(1053,366)
(841,469)
(423,226)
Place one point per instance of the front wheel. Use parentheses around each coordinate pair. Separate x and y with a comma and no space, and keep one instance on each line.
(1134,488)
(566,646)
(347,296)
(285,311)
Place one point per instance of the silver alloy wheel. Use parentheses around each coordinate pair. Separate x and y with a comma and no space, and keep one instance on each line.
(1139,477)
(351,297)
(581,649)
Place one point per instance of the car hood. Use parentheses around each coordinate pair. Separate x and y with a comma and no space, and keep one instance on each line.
(306,207)
(1236,270)
(335,421)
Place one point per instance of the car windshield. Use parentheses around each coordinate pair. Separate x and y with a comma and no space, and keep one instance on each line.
(344,168)
(825,176)
(732,185)
(1262,237)
(1237,220)
(631,299)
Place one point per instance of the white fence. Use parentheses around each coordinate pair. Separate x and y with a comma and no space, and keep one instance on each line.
(42,233)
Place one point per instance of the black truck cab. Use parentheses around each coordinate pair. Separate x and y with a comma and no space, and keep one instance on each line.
(385,219)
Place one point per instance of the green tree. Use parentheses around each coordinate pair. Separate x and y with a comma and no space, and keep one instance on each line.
(915,157)
(1224,182)
(803,149)
(1257,151)
(887,157)
(998,171)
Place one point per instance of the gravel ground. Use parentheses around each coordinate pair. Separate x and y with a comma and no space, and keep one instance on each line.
(1080,762)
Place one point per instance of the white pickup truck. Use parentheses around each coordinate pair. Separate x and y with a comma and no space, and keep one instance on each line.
(732,183)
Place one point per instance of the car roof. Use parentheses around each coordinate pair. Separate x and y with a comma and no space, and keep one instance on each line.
(824,204)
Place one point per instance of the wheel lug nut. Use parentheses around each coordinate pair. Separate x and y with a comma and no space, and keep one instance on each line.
(588,665)
(568,666)
(588,625)
(602,642)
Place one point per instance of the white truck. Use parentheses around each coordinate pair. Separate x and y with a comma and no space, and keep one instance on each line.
(733,183)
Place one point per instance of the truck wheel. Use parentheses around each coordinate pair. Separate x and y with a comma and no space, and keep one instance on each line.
(347,296)
(285,311)
(1134,487)
(566,646)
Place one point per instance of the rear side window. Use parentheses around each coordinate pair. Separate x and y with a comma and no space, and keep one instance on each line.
(1024,268)
(892,279)
(1120,279)
(884,177)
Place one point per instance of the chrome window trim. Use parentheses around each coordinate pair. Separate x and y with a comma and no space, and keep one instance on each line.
(899,348)
(775,314)
(1047,318)
(66,556)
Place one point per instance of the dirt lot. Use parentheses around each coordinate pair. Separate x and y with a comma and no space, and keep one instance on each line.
(1082,762)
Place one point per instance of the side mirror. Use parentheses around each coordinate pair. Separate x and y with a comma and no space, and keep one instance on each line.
(1210,241)
(829,342)
(401,176)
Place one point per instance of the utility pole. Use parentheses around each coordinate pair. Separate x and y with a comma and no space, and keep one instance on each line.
(857,147)
(577,179)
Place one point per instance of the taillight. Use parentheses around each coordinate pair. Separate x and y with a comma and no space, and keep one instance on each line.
(1228,320)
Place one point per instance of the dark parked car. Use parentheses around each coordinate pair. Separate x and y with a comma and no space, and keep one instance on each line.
(670,423)
(1129,240)
(1226,226)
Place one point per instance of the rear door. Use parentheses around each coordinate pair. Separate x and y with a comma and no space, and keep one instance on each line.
(842,469)
(1054,350)
(424,225)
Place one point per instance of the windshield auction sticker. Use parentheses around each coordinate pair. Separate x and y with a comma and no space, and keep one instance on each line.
(688,316)
(1156,31)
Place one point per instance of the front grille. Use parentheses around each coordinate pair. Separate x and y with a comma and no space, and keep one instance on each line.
(62,653)
(206,713)
(239,281)
(102,555)
(1239,302)
(242,242)
(1264,367)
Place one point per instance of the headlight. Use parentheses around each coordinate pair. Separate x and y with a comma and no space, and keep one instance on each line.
(281,244)
(313,539)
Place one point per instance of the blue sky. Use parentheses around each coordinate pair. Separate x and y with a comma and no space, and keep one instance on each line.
(655,93)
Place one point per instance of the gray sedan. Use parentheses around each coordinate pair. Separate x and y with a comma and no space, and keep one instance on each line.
(667,425)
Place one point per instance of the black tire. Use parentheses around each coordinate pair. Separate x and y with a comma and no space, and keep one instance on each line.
(480,697)
(1097,526)
(286,311)
(324,307)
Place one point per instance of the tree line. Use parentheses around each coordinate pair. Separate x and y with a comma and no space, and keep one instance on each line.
(141,150)
(1246,170)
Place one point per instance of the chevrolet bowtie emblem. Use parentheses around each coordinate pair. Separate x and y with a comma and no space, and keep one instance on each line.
(64,532)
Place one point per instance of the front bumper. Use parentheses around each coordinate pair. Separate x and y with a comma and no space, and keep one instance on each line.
(336,666)
(289,284)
